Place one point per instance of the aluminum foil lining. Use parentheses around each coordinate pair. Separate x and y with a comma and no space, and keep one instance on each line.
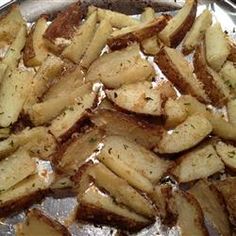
(63,208)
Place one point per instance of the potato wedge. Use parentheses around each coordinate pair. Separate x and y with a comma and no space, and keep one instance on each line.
(56,37)
(120,67)
(96,207)
(10,24)
(74,153)
(49,70)
(177,69)
(216,54)
(231,111)
(142,97)
(227,153)
(14,141)
(175,113)
(14,92)
(227,189)
(97,44)
(20,161)
(200,162)
(216,89)
(122,38)
(212,205)
(63,125)
(119,189)
(189,214)
(37,221)
(71,79)
(13,54)
(44,112)
(197,32)
(35,51)
(117,123)
(117,20)
(179,25)
(81,39)
(228,74)
(221,127)
(4,133)
(28,191)
(140,167)
(186,135)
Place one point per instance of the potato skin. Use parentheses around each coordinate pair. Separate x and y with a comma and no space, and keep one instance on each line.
(88,212)
(200,69)
(69,19)
(16,205)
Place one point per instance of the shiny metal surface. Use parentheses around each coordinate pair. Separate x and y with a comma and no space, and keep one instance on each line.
(61,209)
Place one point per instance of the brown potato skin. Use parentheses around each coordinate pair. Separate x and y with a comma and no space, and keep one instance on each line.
(180,33)
(232,55)
(69,19)
(90,213)
(172,73)
(16,205)
(200,69)
(152,29)
(53,223)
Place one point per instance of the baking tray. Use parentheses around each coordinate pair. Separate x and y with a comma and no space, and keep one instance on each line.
(62,208)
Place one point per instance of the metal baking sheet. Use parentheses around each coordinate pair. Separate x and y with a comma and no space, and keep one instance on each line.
(62,208)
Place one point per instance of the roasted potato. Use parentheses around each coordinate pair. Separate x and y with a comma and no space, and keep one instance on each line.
(14,91)
(212,205)
(216,53)
(44,112)
(120,67)
(228,190)
(227,153)
(81,39)
(198,163)
(140,167)
(118,188)
(56,37)
(97,44)
(35,52)
(117,20)
(228,74)
(179,25)
(3,71)
(232,54)
(21,161)
(96,207)
(64,124)
(124,37)
(221,127)
(75,151)
(189,214)
(10,24)
(186,135)
(142,97)
(117,123)
(48,71)
(68,80)
(177,69)
(15,141)
(216,89)
(13,54)
(175,113)
(197,32)
(37,221)
(23,194)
